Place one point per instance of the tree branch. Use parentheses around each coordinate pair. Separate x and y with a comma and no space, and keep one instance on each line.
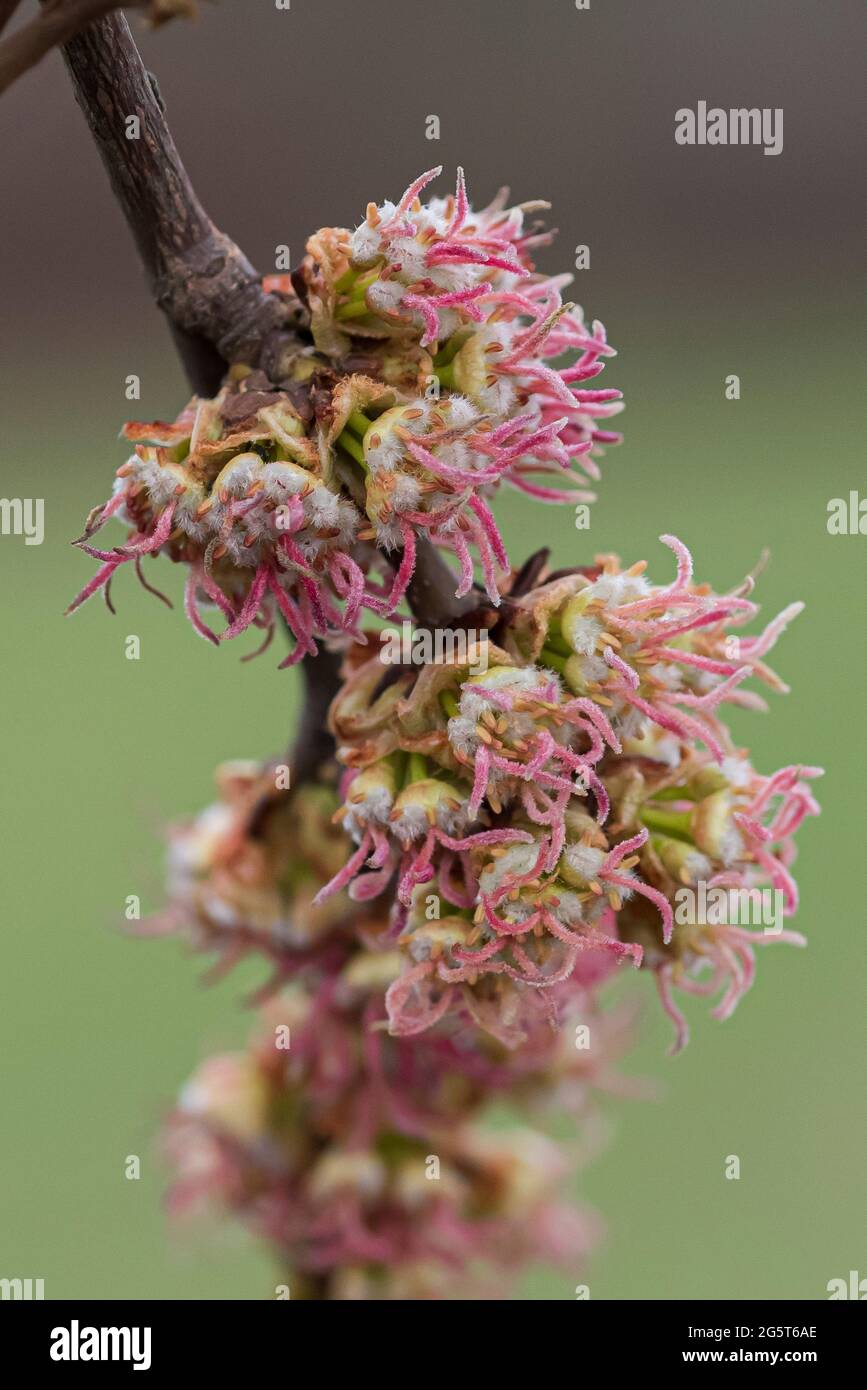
(314,744)
(431,597)
(431,591)
(206,287)
(59,20)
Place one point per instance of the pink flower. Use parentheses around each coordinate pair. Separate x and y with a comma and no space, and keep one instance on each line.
(452,295)
(560,801)
(660,655)
(363,1167)
(732,835)
(428,381)
(234,490)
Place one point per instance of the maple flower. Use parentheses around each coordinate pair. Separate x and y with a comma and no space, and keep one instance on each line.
(540,798)
(244,873)
(318,1145)
(464,284)
(455,291)
(426,382)
(433,764)
(236,490)
(720,851)
(430,465)
(506,827)
(648,654)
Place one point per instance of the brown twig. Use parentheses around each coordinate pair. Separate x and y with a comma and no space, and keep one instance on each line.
(431,597)
(313,746)
(209,292)
(431,592)
(530,573)
(59,20)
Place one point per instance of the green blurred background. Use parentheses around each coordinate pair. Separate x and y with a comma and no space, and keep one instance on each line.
(704,263)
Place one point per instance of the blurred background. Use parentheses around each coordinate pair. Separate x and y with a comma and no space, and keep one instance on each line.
(703,262)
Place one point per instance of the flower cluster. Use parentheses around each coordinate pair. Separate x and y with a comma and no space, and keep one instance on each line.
(649,654)
(359,1158)
(456,291)
(243,876)
(440,923)
(237,491)
(362,1157)
(558,802)
(426,381)
(501,829)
